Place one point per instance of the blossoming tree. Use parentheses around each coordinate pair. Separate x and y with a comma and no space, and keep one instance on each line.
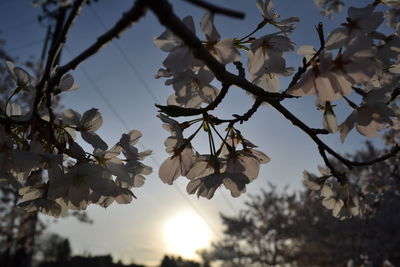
(353,59)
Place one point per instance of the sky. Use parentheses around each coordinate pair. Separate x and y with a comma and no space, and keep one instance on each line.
(120,82)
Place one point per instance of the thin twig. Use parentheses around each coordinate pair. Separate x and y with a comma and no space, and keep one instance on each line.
(129,17)
(53,53)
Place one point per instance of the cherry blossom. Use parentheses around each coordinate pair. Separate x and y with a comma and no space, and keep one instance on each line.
(266,54)
(191,89)
(224,50)
(267,10)
(360,21)
(180,57)
(20,76)
(372,116)
(334,78)
(182,157)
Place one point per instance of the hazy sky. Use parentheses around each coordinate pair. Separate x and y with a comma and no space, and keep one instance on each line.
(135,231)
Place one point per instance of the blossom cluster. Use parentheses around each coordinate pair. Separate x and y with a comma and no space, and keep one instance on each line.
(191,80)
(358,64)
(69,177)
(341,199)
(355,58)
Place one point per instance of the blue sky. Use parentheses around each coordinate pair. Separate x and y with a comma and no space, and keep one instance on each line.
(132,231)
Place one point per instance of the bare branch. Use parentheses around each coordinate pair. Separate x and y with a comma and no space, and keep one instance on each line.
(217,10)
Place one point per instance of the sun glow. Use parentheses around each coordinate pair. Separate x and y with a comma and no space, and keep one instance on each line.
(185,233)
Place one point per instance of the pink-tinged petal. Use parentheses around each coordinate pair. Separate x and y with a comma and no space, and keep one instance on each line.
(360,70)
(251,166)
(71,117)
(91,120)
(236,188)
(138,180)
(192,186)
(329,121)
(347,125)
(167,41)
(194,102)
(134,136)
(268,82)
(336,38)
(10,68)
(261,156)
(22,77)
(186,160)
(370,130)
(340,84)
(306,50)
(67,81)
(208,28)
(305,86)
(324,89)
(337,207)
(169,170)
(93,139)
(200,168)
(124,199)
(226,51)
(13,109)
(371,23)
(255,60)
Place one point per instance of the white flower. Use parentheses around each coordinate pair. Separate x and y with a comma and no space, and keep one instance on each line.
(266,54)
(33,200)
(308,51)
(87,124)
(267,10)
(130,174)
(333,78)
(191,89)
(13,110)
(223,50)
(182,157)
(180,57)
(207,185)
(269,82)
(20,76)
(177,165)
(67,84)
(311,181)
(372,116)
(360,21)
(75,186)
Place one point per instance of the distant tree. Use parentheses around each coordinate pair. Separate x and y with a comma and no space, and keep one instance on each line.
(53,248)
(177,261)
(294,229)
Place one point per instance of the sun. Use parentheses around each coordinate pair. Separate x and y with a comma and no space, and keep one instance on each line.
(185,233)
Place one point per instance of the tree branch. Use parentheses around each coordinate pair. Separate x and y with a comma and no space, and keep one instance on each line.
(53,53)
(217,10)
(129,17)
